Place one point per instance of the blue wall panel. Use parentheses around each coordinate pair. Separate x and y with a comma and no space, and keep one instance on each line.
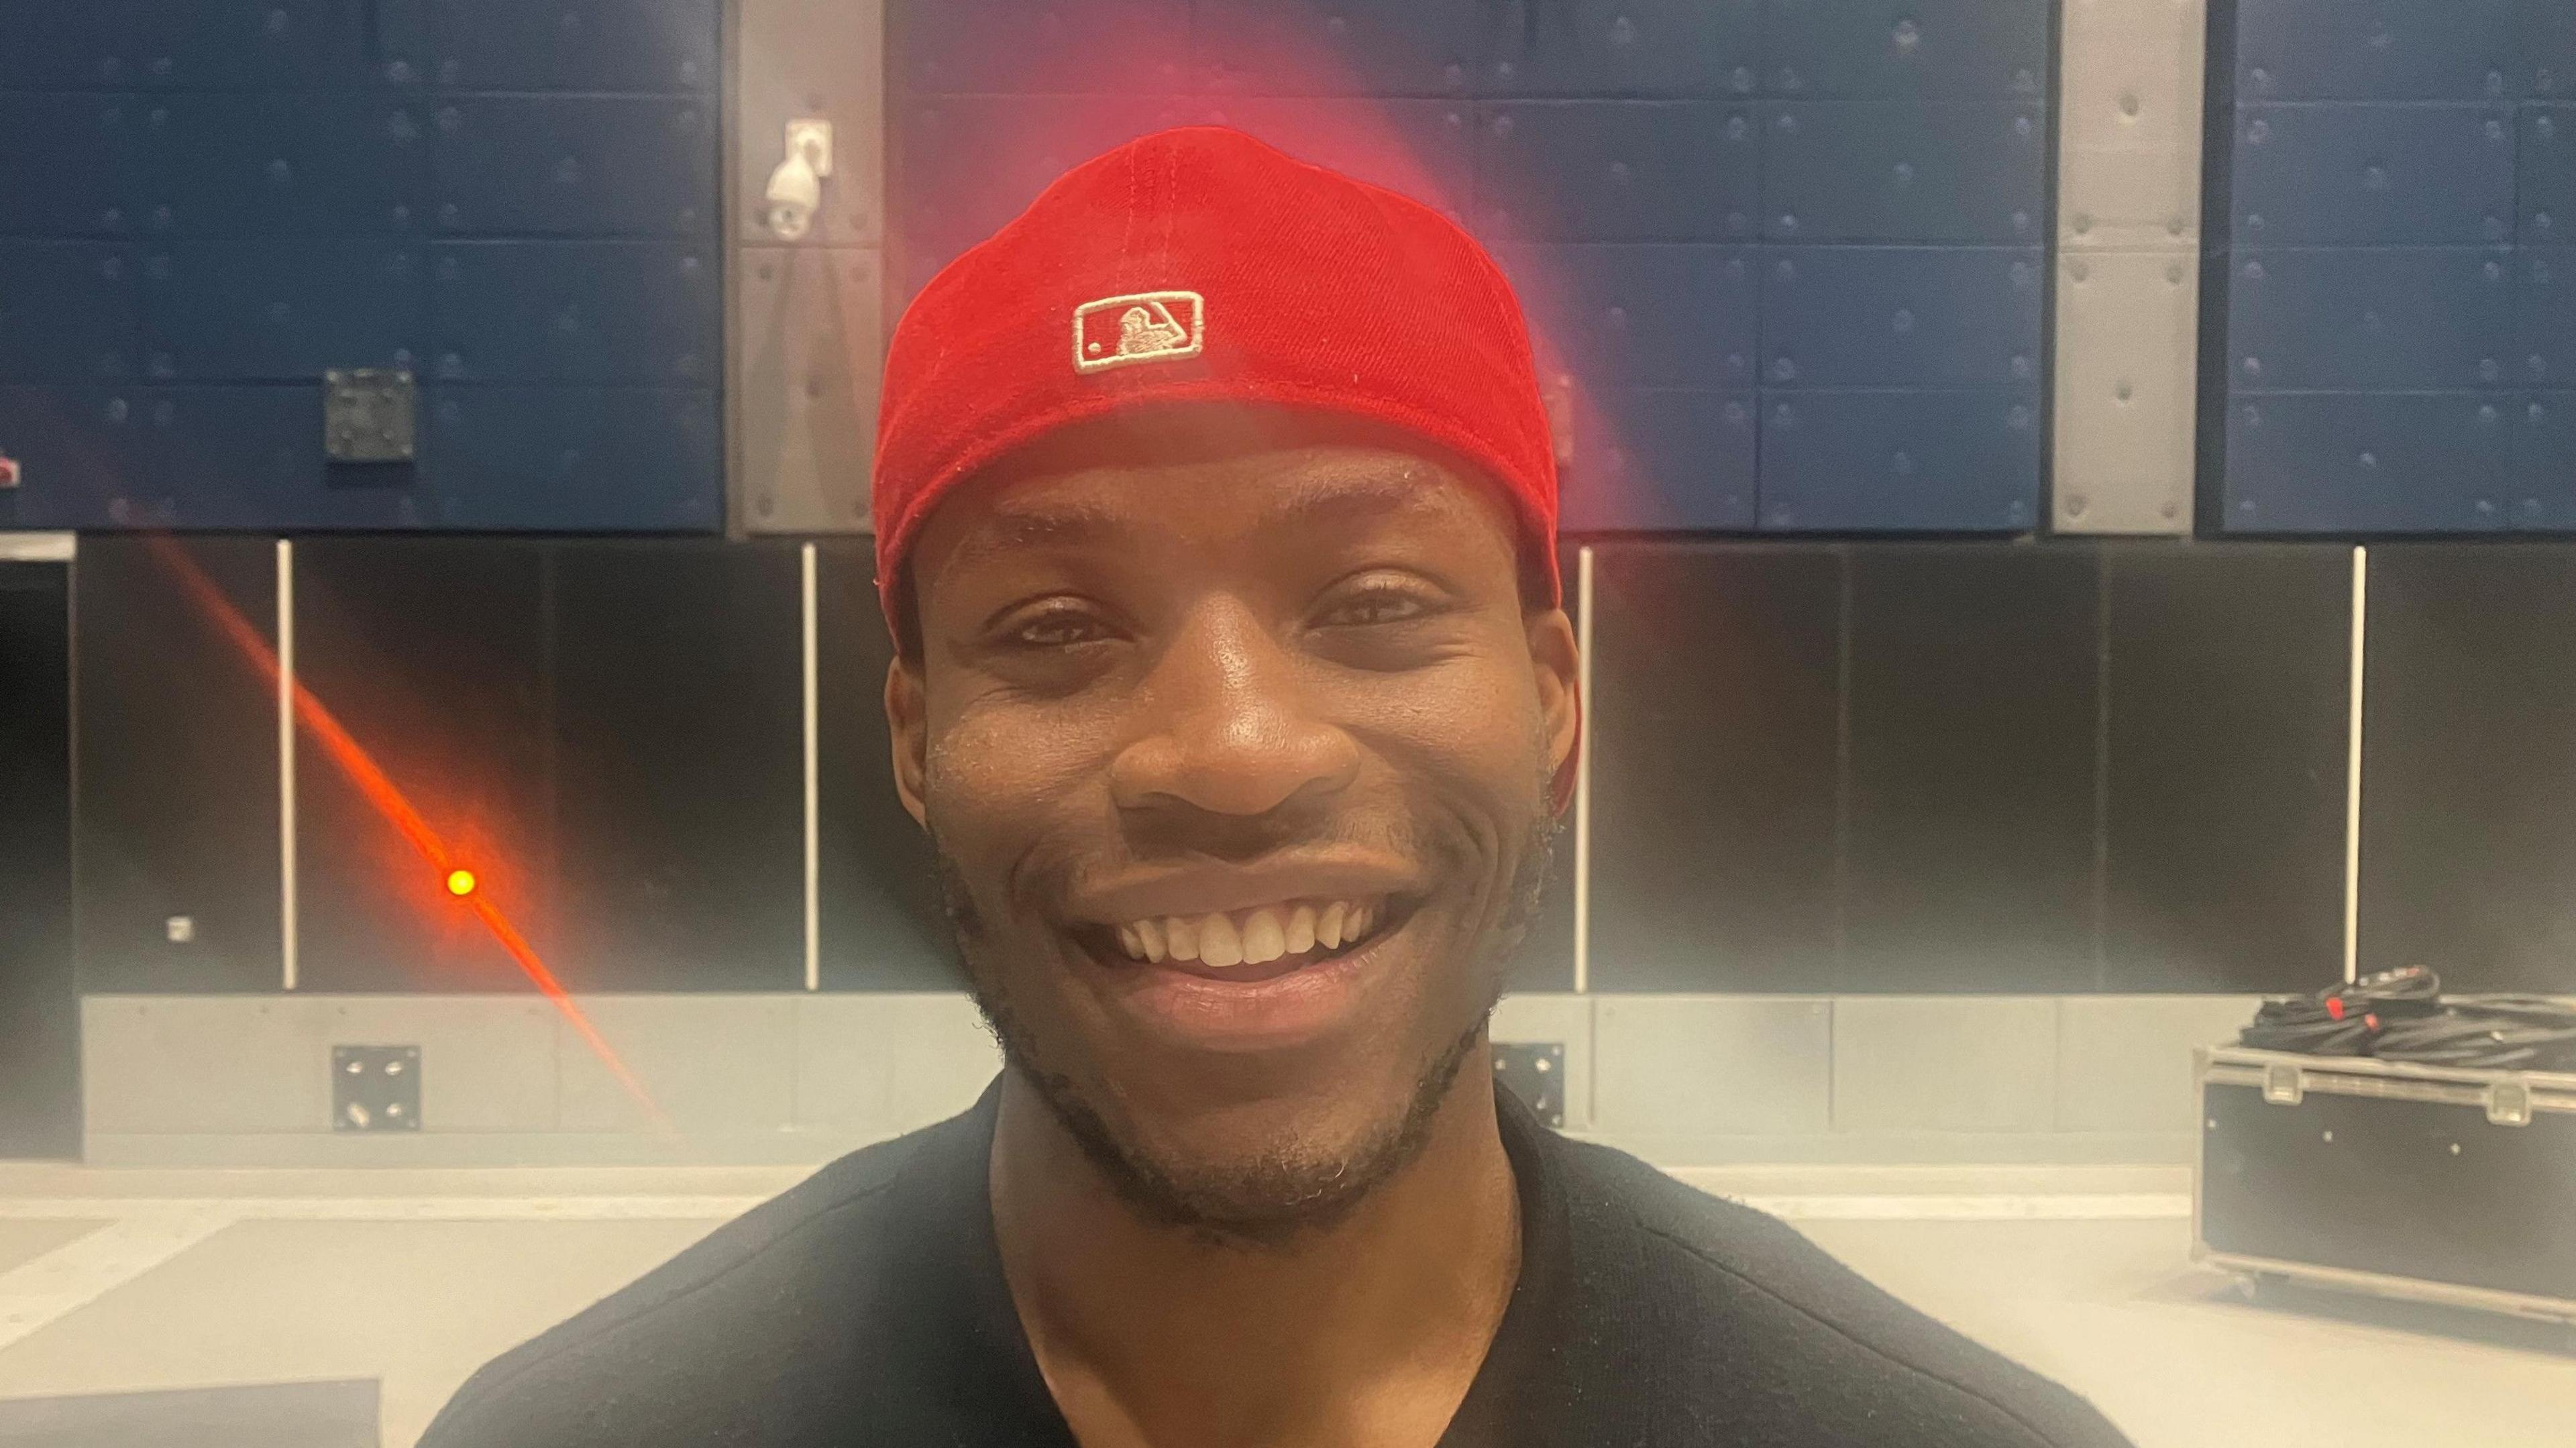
(2544,347)
(2395,168)
(1356,47)
(2350,173)
(2326,462)
(574,311)
(1617,171)
(1671,48)
(74,165)
(555,457)
(2546,43)
(1901,459)
(1956,50)
(2378,50)
(1638,166)
(67,310)
(1662,458)
(206,204)
(1900,172)
(2361,318)
(1642,316)
(2545,183)
(283,164)
(280,310)
(576,45)
(577,165)
(1900,316)
(2545,465)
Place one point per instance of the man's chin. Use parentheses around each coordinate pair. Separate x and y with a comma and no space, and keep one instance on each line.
(1258,1171)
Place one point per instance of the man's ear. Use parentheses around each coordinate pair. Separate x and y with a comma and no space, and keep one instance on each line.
(908,732)
(1556,661)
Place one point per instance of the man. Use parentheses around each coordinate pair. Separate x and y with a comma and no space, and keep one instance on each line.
(1216,513)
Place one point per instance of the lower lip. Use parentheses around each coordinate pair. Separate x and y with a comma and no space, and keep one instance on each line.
(1249,1015)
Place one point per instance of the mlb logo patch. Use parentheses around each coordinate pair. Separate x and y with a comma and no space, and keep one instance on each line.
(1145,327)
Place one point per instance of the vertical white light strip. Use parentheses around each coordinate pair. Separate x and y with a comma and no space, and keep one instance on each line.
(286,760)
(1583,774)
(2352,769)
(813,790)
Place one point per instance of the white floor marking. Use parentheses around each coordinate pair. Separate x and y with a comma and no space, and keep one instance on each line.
(78,1273)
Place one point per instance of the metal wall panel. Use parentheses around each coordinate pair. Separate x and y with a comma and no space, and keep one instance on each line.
(68,312)
(1662,458)
(1899,459)
(1628,48)
(2379,318)
(808,329)
(2129,108)
(1868,49)
(74,165)
(1903,172)
(576,45)
(2363,174)
(2375,50)
(811,58)
(576,165)
(542,458)
(2545,176)
(1900,316)
(282,310)
(1346,47)
(1642,315)
(2397,462)
(574,311)
(2127,366)
(1617,171)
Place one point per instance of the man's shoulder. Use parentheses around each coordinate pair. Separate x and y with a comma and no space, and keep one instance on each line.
(712,1335)
(1800,1335)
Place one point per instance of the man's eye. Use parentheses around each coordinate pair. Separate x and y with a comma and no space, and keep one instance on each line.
(1376,606)
(1060,629)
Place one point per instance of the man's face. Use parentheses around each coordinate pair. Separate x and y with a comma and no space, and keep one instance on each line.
(1237,763)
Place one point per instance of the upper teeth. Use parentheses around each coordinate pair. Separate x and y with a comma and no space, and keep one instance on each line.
(1250,937)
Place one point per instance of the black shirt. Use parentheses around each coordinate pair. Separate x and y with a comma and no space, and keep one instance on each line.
(867,1306)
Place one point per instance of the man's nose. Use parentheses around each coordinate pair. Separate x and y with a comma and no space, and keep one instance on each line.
(1230,730)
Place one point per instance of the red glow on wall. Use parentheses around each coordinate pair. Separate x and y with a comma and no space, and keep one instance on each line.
(396,809)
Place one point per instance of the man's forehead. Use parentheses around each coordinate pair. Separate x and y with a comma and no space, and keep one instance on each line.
(1304,487)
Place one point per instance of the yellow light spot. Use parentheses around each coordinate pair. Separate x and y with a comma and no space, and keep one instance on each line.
(460,882)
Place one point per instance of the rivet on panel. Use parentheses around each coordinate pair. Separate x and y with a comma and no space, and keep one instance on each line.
(2122,389)
(2129,104)
(2076,503)
(2173,272)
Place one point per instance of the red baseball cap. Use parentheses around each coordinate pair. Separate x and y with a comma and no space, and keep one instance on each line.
(1199,265)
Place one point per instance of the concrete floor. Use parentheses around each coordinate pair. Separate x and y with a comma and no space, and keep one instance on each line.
(128,1280)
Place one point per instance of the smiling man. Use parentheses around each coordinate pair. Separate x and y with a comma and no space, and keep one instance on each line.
(1216,515)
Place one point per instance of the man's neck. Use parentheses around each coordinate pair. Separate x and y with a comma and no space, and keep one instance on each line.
(1367,1331)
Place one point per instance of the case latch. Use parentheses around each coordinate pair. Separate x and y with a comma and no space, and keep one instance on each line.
(2509,1103)
(2282,1086)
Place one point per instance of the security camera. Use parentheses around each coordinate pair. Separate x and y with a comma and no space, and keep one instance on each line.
(796,187)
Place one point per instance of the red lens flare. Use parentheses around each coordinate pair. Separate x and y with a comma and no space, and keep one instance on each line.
(398,811)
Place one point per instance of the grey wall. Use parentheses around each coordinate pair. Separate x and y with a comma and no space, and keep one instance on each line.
(1682,1080)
